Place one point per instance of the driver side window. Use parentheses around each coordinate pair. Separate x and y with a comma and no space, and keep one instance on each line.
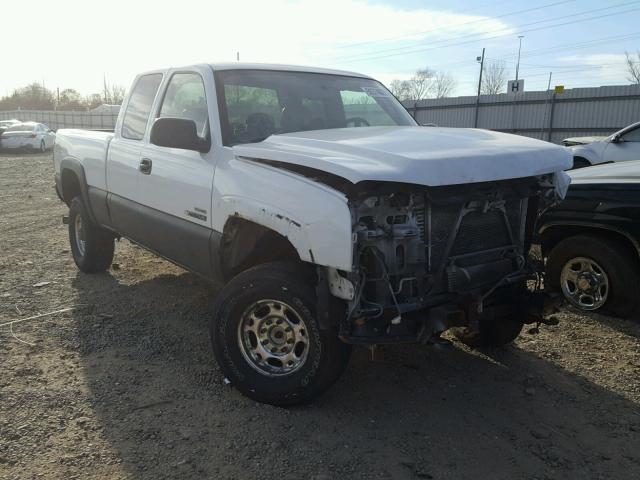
(185,98)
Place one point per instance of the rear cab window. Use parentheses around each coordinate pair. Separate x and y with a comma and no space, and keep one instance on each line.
(136,117)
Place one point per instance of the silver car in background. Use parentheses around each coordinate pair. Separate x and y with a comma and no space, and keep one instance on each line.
(28,136)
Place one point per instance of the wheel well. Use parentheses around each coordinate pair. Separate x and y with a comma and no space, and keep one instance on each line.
(246,244)
(579,161)
(553,235)
(70,185)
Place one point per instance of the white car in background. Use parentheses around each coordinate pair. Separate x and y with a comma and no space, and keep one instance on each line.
(4,124)
(622,146)
(30,136)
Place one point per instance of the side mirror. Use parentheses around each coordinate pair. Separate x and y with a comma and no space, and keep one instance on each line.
(178,133)
(616,139)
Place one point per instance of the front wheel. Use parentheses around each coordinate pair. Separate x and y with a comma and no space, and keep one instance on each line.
(268,341)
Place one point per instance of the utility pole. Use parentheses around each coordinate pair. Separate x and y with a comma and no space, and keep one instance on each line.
(546,107)
(104,81)
(519,49)
(481,60)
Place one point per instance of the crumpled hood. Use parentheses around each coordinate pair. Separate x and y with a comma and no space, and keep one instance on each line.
(429,156)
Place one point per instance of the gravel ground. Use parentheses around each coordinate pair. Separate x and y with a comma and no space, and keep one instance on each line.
(125,385)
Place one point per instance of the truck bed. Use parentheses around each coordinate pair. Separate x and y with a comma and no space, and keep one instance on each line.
(89,148)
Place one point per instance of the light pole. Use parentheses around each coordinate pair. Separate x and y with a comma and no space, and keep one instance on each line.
(519,49)
(475,118)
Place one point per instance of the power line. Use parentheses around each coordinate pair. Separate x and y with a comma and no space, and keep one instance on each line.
(457,25)
(577,46)
(555,48)
(375,56)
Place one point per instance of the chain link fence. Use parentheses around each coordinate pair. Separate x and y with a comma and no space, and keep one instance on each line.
(65,119)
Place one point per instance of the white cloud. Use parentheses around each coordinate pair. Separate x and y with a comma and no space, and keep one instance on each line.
(599,69)
(76,41)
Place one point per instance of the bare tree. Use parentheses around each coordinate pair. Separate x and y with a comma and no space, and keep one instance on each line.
(400,89)
(70,99)
(443,84)
(633,67)
(425,83)
(421,84)
(494,78)
(114,94)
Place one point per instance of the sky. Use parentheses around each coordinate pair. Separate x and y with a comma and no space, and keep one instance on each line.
(77,43)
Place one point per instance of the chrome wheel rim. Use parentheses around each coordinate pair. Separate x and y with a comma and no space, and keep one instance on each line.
(79,235)
(584,283)
(273,338)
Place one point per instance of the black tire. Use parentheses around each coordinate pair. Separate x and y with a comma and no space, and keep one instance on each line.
(96,254)
(492,332)
(615,258)
(326,356)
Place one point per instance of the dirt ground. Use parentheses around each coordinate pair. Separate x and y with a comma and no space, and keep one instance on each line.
(125,385)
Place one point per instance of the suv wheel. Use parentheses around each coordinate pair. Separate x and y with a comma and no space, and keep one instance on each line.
(594,273)
(267,340)
(91,246)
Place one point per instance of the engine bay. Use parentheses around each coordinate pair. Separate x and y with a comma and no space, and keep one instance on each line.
(447,252)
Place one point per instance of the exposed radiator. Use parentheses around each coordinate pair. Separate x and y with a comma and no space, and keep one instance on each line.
(481,231)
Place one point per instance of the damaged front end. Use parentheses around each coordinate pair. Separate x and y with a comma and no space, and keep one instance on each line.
(427,259)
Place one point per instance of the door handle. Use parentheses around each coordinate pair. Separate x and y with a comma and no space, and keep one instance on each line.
(145,166)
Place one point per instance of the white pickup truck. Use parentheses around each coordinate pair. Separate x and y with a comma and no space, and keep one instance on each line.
(330,215)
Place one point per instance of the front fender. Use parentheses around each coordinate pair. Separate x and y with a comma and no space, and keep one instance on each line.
(588,152)
(313,217)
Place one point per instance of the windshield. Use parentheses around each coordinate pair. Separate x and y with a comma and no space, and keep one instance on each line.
(258,103)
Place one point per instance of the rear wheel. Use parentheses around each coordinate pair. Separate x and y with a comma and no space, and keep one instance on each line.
(91,246)
(595,273)
(268,341)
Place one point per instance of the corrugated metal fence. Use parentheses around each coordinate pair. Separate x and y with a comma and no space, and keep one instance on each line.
(64,119)
(544,115)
